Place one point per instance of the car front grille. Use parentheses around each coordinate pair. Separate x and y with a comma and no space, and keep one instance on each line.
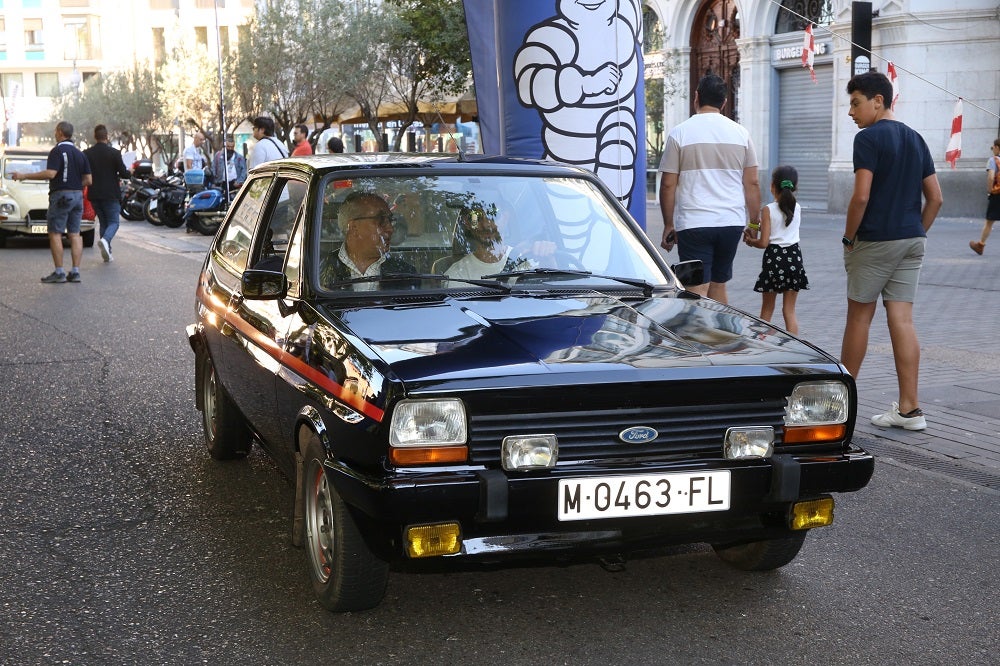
(593,434)
(39,214)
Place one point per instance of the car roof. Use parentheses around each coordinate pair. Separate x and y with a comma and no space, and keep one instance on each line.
(21,153)
(498,163)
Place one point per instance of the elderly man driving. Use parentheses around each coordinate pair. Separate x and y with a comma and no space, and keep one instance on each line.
(366,224)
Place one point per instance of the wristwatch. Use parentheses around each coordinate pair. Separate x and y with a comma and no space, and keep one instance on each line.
(847,241)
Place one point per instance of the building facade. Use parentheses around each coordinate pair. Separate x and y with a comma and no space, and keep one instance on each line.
(49,46)
(941,51)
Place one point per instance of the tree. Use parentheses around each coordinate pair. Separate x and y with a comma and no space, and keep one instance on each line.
(429,56)
(126,101)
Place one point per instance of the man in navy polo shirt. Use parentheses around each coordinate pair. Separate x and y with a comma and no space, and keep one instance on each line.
(68,172)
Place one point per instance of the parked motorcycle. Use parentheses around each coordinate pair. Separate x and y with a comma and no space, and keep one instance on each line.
(139,188)
(207,209)
(167,207)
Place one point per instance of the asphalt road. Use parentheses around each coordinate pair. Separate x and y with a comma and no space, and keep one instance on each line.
(122,542)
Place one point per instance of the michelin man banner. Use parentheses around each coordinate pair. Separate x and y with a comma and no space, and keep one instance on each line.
(563,80)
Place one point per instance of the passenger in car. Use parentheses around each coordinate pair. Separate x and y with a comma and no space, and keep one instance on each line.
(366,224)
(482,231)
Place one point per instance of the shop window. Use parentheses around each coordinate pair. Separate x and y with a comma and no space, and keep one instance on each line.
(46,84)
(819,12)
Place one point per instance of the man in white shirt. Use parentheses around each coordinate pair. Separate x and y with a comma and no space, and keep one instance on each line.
(267,147)
(194,156)
(709,188)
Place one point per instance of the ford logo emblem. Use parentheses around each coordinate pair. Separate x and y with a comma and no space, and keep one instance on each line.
(638,434)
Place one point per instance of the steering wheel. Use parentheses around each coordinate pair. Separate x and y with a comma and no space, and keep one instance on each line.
(561,259)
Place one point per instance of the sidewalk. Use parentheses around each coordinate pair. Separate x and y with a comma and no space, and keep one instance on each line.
(957,314)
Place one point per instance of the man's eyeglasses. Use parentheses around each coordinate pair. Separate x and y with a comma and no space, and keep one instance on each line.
(382,219)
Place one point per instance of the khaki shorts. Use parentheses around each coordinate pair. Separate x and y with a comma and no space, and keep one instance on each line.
(889,268)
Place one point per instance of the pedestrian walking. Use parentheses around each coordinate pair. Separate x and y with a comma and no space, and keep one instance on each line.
(993,200)
(68,172)
(884,238)
(105,194)
(782,270)
(708,184)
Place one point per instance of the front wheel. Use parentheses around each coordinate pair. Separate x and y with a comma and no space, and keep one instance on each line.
(762,555)
(151,209)
(132,209)
(226,433)
(88,238)
(345,574)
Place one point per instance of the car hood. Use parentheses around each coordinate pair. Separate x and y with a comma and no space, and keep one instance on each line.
(476,338)
(28,194)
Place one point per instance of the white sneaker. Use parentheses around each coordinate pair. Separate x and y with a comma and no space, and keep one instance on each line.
(105,249)
(892,418)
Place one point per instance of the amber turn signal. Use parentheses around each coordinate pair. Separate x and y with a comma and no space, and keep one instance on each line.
(814,434)
(428,455)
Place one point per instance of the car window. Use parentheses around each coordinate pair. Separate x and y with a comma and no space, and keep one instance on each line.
(233,244)
(13,164)
(277,223)
(470,226)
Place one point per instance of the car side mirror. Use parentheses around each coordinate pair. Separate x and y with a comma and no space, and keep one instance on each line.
(690,272)
(264,285)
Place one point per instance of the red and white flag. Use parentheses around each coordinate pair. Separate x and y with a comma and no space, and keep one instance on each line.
(890,71)
(954,150)
(809,51)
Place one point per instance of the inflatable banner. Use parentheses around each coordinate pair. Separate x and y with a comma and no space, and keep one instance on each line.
(563,80)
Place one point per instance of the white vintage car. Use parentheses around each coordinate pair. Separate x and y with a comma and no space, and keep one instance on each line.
(24,204)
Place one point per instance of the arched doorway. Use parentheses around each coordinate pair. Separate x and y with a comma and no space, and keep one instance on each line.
(713,48)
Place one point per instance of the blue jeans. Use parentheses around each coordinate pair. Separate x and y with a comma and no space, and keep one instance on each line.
(109,215)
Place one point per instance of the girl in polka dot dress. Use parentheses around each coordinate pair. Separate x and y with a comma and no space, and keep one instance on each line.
(781,271)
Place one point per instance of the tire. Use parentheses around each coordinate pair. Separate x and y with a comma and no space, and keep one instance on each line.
(3,239)
(88,238)
(132,210)
(762,555)
(345,574)
(206,225)
(226,433)
(150,210)
(172,216)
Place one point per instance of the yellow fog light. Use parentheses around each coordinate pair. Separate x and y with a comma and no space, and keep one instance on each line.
(432,540)
(814,513)
(749,442)
(524,452)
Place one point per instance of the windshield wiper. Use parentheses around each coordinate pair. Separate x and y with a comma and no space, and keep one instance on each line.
(489,284)
(647,288)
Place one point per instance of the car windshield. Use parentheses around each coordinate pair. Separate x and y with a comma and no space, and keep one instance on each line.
(22,164)
(506,229)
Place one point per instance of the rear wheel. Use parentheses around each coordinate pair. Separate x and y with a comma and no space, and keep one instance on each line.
(226,433)
(345,574)
(172,215)
(206,224)
(762,555)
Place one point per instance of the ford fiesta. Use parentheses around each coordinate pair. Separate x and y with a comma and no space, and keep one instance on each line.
(485,359)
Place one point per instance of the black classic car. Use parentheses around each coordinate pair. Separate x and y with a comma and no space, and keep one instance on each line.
(519,374)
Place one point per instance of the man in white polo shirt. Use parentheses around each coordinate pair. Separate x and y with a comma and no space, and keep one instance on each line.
(709,188)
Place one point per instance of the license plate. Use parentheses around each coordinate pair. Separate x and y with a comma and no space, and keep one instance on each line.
(39,229)
(647,495)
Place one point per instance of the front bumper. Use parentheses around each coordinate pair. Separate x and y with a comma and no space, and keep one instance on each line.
(505,514)
(36,227)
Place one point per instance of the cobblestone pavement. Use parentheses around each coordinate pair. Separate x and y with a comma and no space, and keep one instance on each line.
(957,315)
